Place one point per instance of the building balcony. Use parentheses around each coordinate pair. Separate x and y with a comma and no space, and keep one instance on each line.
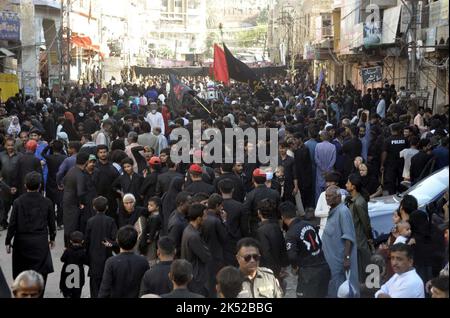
(325,44)
(383,4)
(336,4)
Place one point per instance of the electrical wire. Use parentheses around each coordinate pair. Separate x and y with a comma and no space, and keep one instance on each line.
(442,65)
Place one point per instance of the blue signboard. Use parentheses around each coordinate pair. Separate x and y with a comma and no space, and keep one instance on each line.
(9,26)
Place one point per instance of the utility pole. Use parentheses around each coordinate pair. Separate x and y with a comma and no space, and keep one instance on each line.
(413,73)
(69,59)
(60,47)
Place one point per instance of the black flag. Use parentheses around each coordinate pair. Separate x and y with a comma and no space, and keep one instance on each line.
(177,91)
(240,72)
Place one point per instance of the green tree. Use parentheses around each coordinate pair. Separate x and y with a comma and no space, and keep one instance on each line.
(252,38)
(211,38)
(263,17)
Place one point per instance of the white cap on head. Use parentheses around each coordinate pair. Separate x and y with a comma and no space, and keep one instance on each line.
(129,197)
(62,136)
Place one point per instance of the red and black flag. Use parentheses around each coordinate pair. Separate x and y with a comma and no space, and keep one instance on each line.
(177,92)
(240,72)
(220,66)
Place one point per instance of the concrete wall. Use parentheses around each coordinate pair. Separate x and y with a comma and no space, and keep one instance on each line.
(436,82)
(395,70)
(29,75)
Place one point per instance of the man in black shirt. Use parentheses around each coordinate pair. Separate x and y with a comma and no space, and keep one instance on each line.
(351,148)
(99,228)
(165,178)
(177,220)
(156,280)
(249,165)
(214,233)
(195,251)
(261,191)
(304,249)
(8,172)
(74,198)
(54,160)
(226,172)
(367,100)
(302,161)
(181,273)
(391,163)
(198,185)
(271,240)
(26,163)
(290,172)
(420,160)
(104,177)
(123,273)
(4,288)
(31,230)
(236,216)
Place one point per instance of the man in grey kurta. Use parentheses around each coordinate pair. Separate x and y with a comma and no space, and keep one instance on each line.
(339,244)
(363,230)
(325,158)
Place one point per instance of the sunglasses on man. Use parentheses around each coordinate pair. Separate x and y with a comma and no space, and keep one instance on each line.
(247,258)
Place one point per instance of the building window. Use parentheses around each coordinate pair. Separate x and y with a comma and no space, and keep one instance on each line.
(193,4)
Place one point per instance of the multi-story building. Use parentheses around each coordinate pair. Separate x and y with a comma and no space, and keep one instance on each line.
(381,33)
(9,37)
(58,41)
(237,17)
(344,37)
(283,35)
(179,32)
(9,49)
(301,31)
(37,57)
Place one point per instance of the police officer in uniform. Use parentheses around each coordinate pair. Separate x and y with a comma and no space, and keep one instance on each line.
(391,163)
(259,282)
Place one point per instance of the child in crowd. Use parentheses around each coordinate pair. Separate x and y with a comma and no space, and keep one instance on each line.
(439,287)
(396,218)
(404,232)
(72,273)
(384,247)
(357,162)
(150,232)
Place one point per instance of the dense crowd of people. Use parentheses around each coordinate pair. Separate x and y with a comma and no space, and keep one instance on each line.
(94,165)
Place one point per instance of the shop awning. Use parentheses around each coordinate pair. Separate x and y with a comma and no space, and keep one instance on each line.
(5,52)
(85,42)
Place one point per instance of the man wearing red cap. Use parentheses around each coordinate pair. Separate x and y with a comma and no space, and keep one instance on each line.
(148,188)
(27,163)
(260,192)
(198,185)
(208,174)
